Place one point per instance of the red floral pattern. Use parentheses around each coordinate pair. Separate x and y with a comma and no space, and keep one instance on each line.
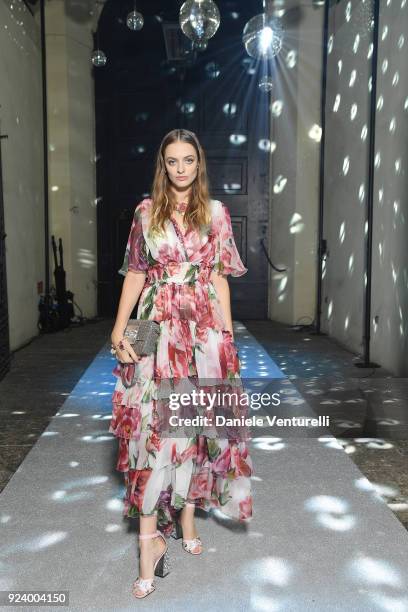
(160,472)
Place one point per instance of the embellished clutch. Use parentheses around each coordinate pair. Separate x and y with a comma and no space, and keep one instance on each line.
(142,335)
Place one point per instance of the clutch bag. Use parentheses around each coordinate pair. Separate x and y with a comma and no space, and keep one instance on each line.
(142,335)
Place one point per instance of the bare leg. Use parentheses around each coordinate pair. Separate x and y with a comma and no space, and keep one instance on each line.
(188,526)
(150,549)
(187,522)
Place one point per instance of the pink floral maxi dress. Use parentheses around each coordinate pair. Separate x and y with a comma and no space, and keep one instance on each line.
(161,473)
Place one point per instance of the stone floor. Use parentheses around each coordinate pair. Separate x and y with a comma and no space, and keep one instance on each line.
(367,407)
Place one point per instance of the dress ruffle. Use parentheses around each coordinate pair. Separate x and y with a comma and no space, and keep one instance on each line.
(162,471)
(211,474)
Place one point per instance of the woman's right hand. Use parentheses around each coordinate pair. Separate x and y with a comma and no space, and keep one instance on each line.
(127,354)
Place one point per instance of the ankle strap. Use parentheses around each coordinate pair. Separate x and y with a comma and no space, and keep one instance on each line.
(146,536)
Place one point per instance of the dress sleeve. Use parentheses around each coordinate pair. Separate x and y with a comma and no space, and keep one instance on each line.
(136,254)
(227,259)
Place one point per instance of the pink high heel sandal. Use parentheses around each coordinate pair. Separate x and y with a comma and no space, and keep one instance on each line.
(161,568)
(188,545)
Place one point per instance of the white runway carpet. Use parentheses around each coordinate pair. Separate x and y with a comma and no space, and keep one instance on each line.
(321,537)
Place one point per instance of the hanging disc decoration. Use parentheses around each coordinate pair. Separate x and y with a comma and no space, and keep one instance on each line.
(98,58)
(266,83)
(263,36)
(199,19)
(201,45)
(135,21)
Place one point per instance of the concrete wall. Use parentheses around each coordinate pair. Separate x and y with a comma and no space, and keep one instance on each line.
(389,344)
(21,120)
(295,120)
(72,149)
(346,180)
(346,176)
(295,179)
(72,189)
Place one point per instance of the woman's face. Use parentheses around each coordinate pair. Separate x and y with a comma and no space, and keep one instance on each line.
(181,164)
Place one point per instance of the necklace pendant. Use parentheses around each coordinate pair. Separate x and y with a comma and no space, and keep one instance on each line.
(181,207)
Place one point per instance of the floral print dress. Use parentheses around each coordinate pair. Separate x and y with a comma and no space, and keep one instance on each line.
(162,472)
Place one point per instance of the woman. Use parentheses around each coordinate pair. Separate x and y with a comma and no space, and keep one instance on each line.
(179,252)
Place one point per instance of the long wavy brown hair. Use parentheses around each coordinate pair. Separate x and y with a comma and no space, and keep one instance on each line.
(197,214)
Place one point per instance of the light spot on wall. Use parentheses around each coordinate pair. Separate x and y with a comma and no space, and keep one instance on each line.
(375,324)
(229,109)
(276,108)
(86,258)
(281,287)
(249,64)
(143,116)
(296,224)
(237,139)
(347,12)
(330,309)
(384,32)
(315,133)
(393,125)
(283,283)
(394,278)
(346,165)
(264,144)
(212,70)
(351,264)
(342,232)
(188,108)
(330,43)
(279,184)
(291,58)
(232,188)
